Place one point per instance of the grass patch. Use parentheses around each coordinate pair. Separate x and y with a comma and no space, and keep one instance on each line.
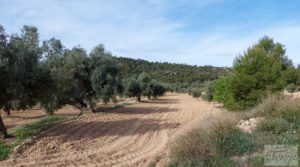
(23,132)
(5,150)
(29,130)
(256,161)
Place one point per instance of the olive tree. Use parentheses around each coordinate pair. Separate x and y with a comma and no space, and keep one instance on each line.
(22,76)
(133,88)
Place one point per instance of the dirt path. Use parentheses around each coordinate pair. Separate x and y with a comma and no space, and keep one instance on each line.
(130,136)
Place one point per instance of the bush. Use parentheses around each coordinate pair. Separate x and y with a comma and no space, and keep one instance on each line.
(209,88)
(230,140)
(196,92)
(211,148)
(275,125)
(291,88)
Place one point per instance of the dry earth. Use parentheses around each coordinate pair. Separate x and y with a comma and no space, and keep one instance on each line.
(129,136)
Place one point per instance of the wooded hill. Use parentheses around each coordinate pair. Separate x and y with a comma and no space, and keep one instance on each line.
(170,72)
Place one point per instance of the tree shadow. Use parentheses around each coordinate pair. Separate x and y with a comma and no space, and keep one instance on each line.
(79,130)
(123,109)
(161,101)
(144,110)
(24,117)
(92,127)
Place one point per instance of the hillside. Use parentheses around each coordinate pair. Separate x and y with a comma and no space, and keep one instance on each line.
(170,72)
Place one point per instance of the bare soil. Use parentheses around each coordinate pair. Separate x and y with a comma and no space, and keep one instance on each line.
(130,136)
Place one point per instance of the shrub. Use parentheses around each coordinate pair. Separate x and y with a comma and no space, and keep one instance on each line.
(196,92)
(210,148)
(291,88)
(230,140)
(209,88)
(274,125)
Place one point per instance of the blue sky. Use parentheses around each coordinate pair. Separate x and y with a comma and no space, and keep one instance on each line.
(196,32)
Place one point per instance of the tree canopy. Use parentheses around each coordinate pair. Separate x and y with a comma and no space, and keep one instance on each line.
(262,70)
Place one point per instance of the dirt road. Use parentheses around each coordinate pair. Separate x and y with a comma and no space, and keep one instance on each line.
(130,136)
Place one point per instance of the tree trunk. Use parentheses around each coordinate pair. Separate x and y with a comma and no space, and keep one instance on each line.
(138,97)
(91,105)
(149,97)
(92,108)
(7,108)
(3,128)
(7,112)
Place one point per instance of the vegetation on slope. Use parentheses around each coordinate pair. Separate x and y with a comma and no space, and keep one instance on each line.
(257,77)
(219,146)
(171,72)
(264,69)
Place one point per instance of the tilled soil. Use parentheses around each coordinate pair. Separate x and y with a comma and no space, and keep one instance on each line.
(129,136)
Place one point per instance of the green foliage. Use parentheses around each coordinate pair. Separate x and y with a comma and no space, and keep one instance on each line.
(156,88)
(170,72)
(178,87)
(79,79)
(22,76)
(196,92)
(262,70)
(106,82)
(222,92)
(133,88)
(5,150)
(144,80)
(209,89)
(143,85)
(230,140)
(291,88)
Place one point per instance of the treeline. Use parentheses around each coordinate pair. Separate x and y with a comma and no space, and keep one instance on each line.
(263,70)
(50,75)
(170,72)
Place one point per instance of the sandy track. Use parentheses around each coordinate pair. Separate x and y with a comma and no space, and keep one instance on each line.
(130,136)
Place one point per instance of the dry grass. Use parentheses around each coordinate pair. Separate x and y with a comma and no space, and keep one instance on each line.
(211,148)
(225,145)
